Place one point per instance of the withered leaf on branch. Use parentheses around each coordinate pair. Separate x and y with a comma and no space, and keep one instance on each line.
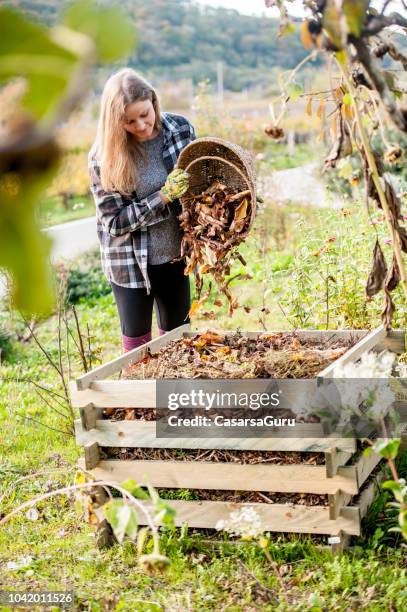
(342,146)
(401,231)
(377,272)
(370,185)
(393,276)
(388,310)
(392,200)
(275,132)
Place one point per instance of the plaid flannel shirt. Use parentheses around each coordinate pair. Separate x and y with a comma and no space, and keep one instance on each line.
(122,221)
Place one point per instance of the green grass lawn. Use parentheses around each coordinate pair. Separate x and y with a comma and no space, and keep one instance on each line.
(57,551)
(52,211)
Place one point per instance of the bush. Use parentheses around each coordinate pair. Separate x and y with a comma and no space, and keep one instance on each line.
(6,344)
(86,285)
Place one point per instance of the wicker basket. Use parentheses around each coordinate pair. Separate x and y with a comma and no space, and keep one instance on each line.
(209,159)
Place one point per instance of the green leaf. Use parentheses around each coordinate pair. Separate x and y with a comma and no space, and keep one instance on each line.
(287,29)
(27,50)
(355,15)
(341,57)
(24,249)
(166,512)
(331,22)
(114,35)
(294,90)
(368,451)
(387,448)
(134,489)
(347,99)
(122,518)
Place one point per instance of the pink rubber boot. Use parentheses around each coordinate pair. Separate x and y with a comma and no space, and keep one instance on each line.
(129,344)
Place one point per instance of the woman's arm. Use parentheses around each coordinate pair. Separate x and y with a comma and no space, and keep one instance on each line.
(121,214)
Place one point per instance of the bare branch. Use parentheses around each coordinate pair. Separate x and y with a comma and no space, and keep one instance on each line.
(398,116)
(378,22)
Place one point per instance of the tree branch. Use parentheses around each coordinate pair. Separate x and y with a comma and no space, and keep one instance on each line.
(398,116)
(378,22)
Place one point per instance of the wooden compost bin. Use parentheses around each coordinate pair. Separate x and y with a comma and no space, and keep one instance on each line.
(342,478)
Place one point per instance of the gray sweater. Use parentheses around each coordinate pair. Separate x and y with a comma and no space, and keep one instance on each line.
(164,238)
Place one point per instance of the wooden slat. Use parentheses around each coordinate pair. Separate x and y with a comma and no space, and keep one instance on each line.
(366,344)
(92,455)
(336,502)
(395,342)
(335,458)
(280,518)
(365,467)
(295,478)
(89,416)
(113,366)
(142,434)
(116,394)
(367,496)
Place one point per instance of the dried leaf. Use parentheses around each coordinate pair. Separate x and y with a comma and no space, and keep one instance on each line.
(306,37)
(377,273)
(320,111)
(203,269)
(388,311)
(240,217)
(347,112)
(342,146)
(308,108)
(274,132)
(393,276)
(195,306)
(402,236)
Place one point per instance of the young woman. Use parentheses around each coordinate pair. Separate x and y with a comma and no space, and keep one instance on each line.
(136,191)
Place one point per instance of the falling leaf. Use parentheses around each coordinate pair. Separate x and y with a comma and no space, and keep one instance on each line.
(195,306)
(240,216)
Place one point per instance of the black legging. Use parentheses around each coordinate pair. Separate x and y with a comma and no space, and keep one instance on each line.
(170,296)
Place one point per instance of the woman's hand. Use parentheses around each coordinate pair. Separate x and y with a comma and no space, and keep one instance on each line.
(176,185)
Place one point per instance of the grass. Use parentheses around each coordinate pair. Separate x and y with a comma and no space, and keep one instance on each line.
(53,212)
(57,551)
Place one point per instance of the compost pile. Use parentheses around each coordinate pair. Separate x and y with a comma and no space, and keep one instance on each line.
(243,457)
(214,223)
(233,356)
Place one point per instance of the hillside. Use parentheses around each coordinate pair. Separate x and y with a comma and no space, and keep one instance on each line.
(179,39)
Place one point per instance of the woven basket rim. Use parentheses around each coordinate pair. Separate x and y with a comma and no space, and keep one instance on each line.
(244,157)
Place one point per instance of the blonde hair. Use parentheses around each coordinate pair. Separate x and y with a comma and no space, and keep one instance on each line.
(115,150)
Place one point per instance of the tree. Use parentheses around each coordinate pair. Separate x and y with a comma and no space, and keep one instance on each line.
(367,97)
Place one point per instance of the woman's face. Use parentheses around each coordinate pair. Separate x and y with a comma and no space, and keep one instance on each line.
(139,119)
